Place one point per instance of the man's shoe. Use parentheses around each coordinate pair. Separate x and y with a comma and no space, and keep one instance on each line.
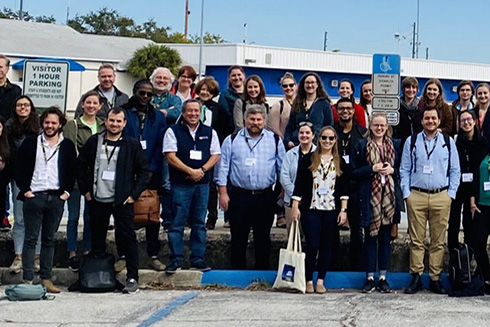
(210,224)
(201,266)
(37,264)
(415,285)
(383,286)
(157,265)
(131,286)
(16,266)
(368,286)
(50,286)
(226,224)
(5,225)
(435,286)
(120,265)
(173,267)
(74,264)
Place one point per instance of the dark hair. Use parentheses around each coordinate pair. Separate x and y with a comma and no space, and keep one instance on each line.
(31,125)
(460,85)
(187,69)
(410,81)
(470,112)
(116,111)
(139,83)
(261,98)
(186,102)
(301,93)
(91,93)
(345,80)
(233,67)
(105,66)
(342,100)
(4,142)
(362,100)
(430,108)
(440,100)
(7,60)
(211,83)
(54,111)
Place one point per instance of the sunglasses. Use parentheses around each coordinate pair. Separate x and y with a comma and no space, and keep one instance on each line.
(143,93)
(284,86)
(330,138)
(305,123)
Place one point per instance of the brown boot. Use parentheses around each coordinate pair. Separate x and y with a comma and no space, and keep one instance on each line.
(50,286)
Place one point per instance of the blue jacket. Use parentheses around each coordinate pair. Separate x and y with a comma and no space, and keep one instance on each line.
(362,173)
(320,114)
(289,170)
(166,101)
(227,100)
(153,132)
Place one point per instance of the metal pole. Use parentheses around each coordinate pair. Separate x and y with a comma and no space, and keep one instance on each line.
(186,19)
(418,43)
(202,39)
(21,12)
(413,41)
(426,53)
(325,42)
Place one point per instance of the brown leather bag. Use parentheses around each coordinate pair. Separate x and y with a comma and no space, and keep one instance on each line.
(147,209)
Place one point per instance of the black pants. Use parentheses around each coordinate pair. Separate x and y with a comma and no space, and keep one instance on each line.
(125,236)
(213,202)
(481,230)
(462,200)
(356,246)
(254,211)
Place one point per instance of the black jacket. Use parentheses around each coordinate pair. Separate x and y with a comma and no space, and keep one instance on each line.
(221,120)
(120,98)
(410,122)
(8,94)
(26,161)
(131,171)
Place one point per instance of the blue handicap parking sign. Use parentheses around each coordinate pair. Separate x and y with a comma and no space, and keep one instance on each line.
(386,64)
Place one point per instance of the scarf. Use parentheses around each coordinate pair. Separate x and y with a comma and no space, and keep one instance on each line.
(382,196)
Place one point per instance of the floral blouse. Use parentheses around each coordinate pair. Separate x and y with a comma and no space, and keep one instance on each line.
(324,186)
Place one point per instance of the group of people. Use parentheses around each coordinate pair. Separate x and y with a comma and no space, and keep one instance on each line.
(345,167)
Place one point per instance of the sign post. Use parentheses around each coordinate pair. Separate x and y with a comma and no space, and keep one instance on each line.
(46,83)
(386,86)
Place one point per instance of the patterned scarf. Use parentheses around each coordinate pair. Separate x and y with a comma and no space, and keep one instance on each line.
(382,196)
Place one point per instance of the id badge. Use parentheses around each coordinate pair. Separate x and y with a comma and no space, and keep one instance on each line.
(143,144)
(250,162)
(196,155)
(346,159)
(428,169)
(43,174)
(322,190)
(108,175)
(467,177)
(486,186)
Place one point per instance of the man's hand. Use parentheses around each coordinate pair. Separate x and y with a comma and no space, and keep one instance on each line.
(64,196)
(29,195)
(196,175)
(129,200)
(88,197)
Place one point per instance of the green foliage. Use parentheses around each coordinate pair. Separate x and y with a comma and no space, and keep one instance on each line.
(11,14)
(146,59)
(207,38)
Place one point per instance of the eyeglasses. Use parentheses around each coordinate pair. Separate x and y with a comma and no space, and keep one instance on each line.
(379,125)
(466,120)
(305,123)
(285,86)
(143,93)
(325,137)
(344,108)
(23,105)
(186,77)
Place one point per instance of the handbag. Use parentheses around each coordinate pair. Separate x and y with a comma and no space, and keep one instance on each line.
(291,270)
(27,292)
(147,209)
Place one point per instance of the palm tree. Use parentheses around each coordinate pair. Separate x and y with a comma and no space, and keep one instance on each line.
(146,59)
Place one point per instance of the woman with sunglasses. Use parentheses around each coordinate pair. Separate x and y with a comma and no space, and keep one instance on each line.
(375,167)
(320,201)
(254,93)
(278,117)
(311,104)
(472,148)
(290,164)
(147,125)
(346,91)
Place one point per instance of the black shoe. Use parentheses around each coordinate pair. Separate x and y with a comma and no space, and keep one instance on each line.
(383,286)
(201,266)
(415,285)
(74,264)
(173,267)
(436,287)
(210,224)
(368,286)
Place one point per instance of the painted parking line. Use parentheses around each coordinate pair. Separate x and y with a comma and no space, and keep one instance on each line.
(166,311)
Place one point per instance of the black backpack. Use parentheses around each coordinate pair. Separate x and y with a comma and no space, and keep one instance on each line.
(464,281)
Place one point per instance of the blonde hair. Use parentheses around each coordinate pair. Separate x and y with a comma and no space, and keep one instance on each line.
(389,131)
(316,157)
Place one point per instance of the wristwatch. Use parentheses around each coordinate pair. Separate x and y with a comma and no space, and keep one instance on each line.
(204,169)
(343,210)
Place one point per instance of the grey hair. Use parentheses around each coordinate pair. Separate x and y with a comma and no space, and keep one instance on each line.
(165,70)
(256,109)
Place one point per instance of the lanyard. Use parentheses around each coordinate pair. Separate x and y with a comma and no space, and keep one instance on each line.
(256,143)
(308,110)
(142,117)
(345,144)
(433,147)
(109,157)
(325,172)
(46,159)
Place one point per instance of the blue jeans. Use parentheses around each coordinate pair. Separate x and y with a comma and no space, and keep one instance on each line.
(189,202)
(72,228)
(43,210)
(378,247)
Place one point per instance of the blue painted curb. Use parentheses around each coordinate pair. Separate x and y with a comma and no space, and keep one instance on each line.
(334,280)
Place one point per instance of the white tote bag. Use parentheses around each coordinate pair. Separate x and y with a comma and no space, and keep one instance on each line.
(291,270)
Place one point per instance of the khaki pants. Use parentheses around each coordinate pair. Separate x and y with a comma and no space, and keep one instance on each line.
(434,208)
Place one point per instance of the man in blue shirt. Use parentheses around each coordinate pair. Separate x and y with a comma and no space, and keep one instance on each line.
(430,176)
(251,160)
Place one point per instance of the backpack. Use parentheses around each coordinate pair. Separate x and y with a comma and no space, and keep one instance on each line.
(464,281)
(447,143)
(27,292)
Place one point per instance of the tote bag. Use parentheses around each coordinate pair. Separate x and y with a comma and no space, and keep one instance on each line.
(291,270)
